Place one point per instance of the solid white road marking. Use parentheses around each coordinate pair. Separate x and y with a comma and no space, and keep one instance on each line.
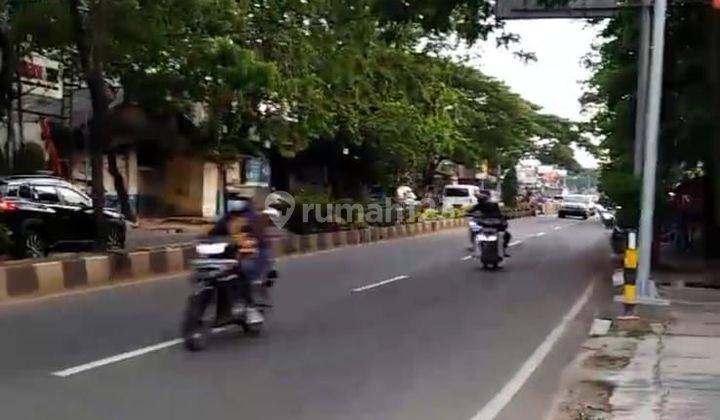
(514,243)
(539,235)
(124,356)
(378,284)
(115,359)
(499,401)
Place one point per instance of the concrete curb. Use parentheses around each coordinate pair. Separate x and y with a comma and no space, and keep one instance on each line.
(39,278)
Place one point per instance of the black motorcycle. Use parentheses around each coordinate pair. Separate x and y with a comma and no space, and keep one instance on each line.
(214,302)
(488,244)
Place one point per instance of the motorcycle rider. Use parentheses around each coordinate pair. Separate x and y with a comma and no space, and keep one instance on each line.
(489,209)
(244,225)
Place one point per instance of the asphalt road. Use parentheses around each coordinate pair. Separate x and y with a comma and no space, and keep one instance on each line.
(406,329)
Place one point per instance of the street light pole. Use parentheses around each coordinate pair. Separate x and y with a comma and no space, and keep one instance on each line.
(642,87)
(645,289)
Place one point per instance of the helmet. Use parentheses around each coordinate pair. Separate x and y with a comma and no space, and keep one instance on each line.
(482,196)
(238,205)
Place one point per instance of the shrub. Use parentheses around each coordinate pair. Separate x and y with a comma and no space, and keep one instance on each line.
(430,214)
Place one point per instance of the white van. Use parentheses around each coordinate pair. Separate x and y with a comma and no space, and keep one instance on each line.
(459,196)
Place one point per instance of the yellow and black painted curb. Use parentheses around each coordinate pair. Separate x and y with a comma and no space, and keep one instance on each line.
(31,278)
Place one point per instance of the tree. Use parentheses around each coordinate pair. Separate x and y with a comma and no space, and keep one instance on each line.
(509,188)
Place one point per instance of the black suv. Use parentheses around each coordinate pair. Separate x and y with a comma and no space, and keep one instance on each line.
(45,213)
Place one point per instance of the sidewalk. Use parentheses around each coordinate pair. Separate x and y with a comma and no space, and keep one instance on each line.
(159,232)
(664,366)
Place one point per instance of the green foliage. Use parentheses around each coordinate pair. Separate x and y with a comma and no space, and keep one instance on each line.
(689,101)
(430,214)
(294,72)
(509,188)
(454,213)
(624,190)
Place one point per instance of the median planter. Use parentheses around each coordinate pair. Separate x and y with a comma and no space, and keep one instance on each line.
(372,234)
(325,240)
(277,246)
(292,244)
(30,278)
(97,269)
(309,243)
(340,238)
(353,237)
(383,233)
(404,230)
(139,263)
(412,229)
(392,232)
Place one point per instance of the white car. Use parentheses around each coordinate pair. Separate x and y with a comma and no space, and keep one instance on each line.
(459,196)
(576,205)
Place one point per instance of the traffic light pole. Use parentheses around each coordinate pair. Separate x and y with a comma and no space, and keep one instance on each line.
(646,291)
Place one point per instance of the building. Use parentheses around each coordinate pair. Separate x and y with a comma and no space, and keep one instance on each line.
(159,171)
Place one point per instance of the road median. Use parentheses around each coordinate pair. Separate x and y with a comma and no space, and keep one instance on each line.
(35,278)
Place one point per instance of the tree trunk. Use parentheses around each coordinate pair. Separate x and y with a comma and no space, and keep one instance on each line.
(428,174)
(20,114)
(94,76)
(119,183)
(6,91)
(712,183)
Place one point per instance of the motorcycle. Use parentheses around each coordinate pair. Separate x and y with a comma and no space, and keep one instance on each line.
(487,239)
(213,303)
(607,216)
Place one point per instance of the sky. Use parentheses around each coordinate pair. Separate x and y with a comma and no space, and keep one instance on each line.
(554,80)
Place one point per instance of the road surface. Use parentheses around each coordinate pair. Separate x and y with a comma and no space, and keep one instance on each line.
(405,329)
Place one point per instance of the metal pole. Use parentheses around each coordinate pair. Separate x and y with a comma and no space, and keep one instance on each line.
(642,87)
(651,149)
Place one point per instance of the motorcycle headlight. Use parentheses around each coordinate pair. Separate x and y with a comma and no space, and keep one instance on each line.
(210,249)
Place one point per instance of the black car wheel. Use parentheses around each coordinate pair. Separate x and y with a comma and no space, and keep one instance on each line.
(34,245)
(115,238)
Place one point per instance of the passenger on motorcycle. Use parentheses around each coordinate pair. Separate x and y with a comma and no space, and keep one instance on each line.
(244,225)
(488,209)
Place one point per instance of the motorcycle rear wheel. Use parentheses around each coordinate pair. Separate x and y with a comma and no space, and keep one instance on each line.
(197,322)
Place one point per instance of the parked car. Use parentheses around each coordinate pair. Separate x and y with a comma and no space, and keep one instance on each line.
(459,196)
(45,213)
(575,205)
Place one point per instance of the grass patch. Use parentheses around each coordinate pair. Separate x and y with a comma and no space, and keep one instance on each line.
(607,362)
(633,328)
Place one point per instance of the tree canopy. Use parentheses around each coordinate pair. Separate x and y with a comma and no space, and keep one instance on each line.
(293,72)
(688,124)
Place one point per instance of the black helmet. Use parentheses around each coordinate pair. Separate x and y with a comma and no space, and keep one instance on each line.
(483,196)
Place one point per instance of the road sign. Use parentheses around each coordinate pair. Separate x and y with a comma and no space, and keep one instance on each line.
(533,9)
(41,77)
